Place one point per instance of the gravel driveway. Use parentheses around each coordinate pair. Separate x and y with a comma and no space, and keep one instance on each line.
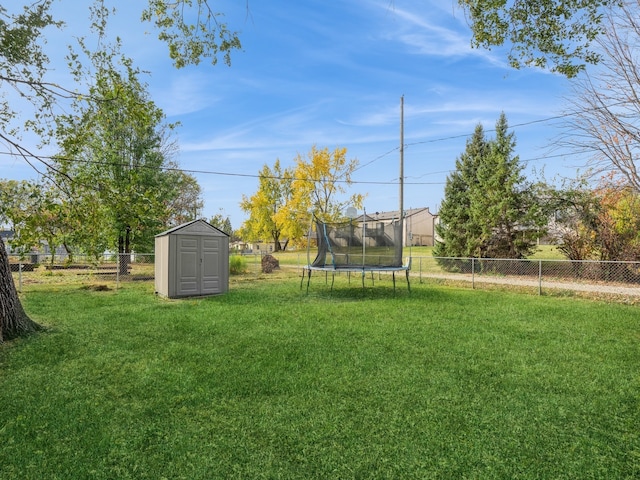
(545,284)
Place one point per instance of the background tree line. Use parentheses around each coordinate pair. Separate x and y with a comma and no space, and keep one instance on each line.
(597,215)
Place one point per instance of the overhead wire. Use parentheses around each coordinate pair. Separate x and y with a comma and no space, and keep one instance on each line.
(42,158)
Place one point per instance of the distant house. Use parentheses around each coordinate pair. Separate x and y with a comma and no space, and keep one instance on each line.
(419,225)
(263,247)
(238,246)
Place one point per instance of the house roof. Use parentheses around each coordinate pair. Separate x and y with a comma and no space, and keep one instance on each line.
(393,214)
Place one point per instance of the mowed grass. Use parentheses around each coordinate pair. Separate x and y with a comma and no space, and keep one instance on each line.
(301,257)
(268,381)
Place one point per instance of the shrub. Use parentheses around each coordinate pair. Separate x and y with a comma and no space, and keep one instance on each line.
(237,265)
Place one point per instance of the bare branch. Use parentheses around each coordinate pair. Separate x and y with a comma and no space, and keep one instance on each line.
(606,105)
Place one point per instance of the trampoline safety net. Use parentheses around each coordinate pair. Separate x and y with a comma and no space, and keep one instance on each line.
(354,244)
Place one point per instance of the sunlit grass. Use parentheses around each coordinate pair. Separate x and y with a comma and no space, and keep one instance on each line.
(269,381)
(548,252)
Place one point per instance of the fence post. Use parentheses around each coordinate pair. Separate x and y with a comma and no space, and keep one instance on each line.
(118,270)
(20,276)
(539,277)
(473,272)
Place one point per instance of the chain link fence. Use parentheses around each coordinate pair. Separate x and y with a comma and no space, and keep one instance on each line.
(578,275)
(621,278)
(109,268)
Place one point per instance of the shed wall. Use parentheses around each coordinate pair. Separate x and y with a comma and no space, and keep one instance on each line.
(162,265)
(192,261)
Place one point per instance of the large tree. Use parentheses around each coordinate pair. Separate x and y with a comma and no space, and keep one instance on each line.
(319,188)
(287,199)
(274,192)
(504,204)
(22,65)
(489,210)
(192,31)
(458,229)
(114,143)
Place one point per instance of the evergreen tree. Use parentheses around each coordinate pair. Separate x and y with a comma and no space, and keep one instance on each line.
(459,233)
(489,210)
(222,222)
(504,204)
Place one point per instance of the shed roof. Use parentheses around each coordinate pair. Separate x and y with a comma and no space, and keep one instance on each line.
(195,226)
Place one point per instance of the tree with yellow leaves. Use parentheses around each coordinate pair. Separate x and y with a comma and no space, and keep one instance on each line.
(273,193)
(318,189)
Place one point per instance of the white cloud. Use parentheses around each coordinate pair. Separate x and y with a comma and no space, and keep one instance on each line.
(429,29)
(186,93)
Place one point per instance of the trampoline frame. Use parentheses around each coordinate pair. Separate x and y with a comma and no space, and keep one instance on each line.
(362,269)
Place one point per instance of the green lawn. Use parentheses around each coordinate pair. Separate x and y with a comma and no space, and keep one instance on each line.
(268,381)
(299,256)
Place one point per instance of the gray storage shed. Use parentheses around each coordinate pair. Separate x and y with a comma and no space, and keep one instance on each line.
(192,259)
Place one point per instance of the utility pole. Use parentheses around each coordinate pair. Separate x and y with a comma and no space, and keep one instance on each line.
(401,179)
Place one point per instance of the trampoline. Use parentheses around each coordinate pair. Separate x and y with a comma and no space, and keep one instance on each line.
(356,246)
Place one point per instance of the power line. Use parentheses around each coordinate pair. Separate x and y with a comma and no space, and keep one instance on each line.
(274,177)
(228,174)
(463,135)
(246,175)
(523,124)
(376,159)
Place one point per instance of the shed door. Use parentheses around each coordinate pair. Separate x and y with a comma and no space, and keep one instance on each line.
(199,268)
(211,272)
(188,265)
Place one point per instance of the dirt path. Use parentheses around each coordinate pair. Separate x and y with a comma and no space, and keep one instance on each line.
(581,287)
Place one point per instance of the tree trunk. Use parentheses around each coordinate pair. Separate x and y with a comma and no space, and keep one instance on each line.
(275,235)
(69,252)
(14,322)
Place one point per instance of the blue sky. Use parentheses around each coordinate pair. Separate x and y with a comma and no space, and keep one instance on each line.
(331,74)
